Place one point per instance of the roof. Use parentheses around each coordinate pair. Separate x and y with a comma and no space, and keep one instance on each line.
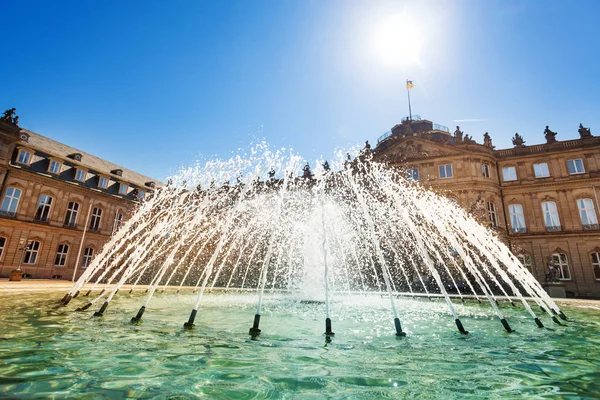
(89,161)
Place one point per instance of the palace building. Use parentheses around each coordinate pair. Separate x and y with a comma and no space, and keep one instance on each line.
(540,199)
(58,205)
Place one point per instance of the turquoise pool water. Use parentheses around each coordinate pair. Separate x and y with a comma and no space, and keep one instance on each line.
(47,351)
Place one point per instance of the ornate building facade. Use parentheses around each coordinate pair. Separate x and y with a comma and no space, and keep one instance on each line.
(58,205)
(540,199)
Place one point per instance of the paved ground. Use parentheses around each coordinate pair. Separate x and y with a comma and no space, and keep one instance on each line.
(30,285)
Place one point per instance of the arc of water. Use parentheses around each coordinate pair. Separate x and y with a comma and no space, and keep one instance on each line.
(373,237)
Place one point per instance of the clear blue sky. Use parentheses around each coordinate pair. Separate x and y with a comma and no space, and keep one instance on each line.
(150,85)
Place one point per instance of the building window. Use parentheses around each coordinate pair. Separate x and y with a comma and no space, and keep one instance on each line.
(123,188)
(596,265)
(2,245)
(485,170)
(118,221)
(412,174)
(54,167)
(517,218)
(95,221)
(551,220)
(80,175)
(24,157)
(525,260)
(587,214)
(541,170)
(61,255)
(31,252)
(43,210)
(509,174)
(560,261)
(10,202)
(71,217)
(103,182)
(445,171)
(142,194)
(88,256)
(576,166)
(492,213)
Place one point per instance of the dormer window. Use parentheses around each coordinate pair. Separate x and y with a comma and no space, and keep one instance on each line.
(118,172)
(80,174)
(123,188)
(54,167)
(141,194)
(103,182)
(75,156)
(24,157)
(150,184)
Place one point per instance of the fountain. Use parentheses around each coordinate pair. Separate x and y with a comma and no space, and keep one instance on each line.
(357,228)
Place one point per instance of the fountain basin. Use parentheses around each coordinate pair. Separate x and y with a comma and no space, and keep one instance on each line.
(45,350)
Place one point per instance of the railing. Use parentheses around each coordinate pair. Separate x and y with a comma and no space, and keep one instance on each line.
(8,213)
(553,228)
(384,136)
(70,224)
(591,227)
(414,117)
(439,127)
(519,230)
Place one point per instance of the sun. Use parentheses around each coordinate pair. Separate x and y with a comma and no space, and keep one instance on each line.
(398,39)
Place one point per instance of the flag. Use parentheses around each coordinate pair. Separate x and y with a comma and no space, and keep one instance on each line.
(409,84)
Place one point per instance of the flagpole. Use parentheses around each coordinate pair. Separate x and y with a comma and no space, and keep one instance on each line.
(409,110)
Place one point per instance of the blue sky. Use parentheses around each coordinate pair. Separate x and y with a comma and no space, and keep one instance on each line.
(151,85)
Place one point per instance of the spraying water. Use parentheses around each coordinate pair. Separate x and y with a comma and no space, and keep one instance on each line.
(263,221)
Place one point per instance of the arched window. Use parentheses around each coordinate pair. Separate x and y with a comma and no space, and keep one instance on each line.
(560,260)
(551,219)
(43,210)
(517,218)
(72,211)
(31,252)
(95,220)
(2,246)
(526,261)
(596,265)
(61,255)
(10,201)
(491,207)
(118,221)
(88,256)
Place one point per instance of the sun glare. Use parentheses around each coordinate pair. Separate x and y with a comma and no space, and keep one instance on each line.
(398,40)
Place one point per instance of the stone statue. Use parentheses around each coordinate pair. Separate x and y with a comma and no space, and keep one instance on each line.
(584,132)
(458,134)
(326,165)
(272,174)
(551,271)
(487,140)
(549,135)
(518,140)
(367,146)
(306,171)
(8,116)
(348,160)
(468,139)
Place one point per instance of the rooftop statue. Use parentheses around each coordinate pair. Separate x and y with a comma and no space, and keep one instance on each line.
(518,140)
(550,136)
(306,171)
(487,140)
(458,134)
(584,132)
(326,166)
(468,139)
(10,117)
